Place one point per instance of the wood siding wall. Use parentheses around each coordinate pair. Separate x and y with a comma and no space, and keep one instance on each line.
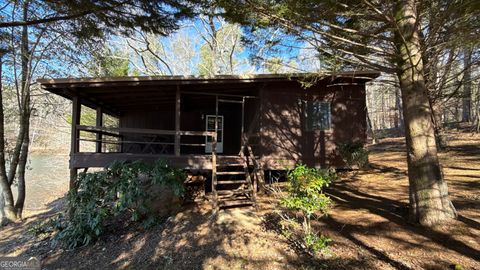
(284,139)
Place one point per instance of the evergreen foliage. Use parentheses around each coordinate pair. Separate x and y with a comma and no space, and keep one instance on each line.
(119,189)
(108,62)
(87,18)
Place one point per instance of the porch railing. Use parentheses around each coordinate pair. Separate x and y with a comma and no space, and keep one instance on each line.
(121,133)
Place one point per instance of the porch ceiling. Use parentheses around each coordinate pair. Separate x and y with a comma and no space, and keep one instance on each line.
(121,98)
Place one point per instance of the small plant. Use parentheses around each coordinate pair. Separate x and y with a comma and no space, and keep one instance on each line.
(317,243)
(354,154)
(305,194)
(121,188)
(288,226)
(45,228)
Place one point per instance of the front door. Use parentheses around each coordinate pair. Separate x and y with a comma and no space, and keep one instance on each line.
(210,126)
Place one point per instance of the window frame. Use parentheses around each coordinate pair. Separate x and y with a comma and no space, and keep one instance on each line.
(316,124)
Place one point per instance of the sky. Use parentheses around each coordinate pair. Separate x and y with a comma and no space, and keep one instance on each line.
(190,37)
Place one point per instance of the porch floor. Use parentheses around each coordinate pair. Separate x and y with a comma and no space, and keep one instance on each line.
(190,162)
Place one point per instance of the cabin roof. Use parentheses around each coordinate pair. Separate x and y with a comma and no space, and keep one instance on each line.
(118,93)
(190,79)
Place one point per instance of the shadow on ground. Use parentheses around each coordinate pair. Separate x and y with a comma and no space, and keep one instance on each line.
(367,225)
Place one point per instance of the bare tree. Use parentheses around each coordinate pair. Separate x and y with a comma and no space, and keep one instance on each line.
(207,46)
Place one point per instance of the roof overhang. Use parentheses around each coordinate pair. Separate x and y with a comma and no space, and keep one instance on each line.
(104,92)
(182,80)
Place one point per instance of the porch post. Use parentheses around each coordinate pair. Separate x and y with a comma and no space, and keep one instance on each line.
(177,122)
(75,143)
(214,160)
(99,123)
(261,175)
(242,131)
(215,138)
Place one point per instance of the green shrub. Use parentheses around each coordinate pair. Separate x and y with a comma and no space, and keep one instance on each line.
(121,188)
(305,194)
(45,228)
(306,190)
(354,154)
(315,242)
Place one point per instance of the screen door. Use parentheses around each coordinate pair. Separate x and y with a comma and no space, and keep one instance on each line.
(210,126)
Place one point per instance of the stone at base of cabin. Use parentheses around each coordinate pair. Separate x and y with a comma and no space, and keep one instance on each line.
(161,200)
(195,179)
(195,187)
(194,192)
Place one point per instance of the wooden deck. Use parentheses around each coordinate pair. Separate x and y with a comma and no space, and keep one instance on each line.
(190,162)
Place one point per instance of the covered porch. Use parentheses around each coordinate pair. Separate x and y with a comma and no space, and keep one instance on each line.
(158,118)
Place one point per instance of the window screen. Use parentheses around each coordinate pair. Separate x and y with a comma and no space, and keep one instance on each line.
(318,115)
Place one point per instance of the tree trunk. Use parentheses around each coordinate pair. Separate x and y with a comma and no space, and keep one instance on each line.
(24,137)
(7,203)
(398,107)
(22,170)
(477,110)
(24,97)
(429,202)
(20,153)
(467,86)
(214,45)
(437,126)
(370,128)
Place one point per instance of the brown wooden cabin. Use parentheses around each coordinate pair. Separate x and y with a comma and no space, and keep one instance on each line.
(264,122)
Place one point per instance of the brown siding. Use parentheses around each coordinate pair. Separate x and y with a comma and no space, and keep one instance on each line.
(284,140)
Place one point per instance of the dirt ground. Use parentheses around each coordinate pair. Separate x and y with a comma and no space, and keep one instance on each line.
(367,226)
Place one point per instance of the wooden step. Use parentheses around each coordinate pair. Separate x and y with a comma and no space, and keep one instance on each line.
(230,159)
(231,203)
(233,197)
(231,165)
(239,181)
(230,173)
(234,192)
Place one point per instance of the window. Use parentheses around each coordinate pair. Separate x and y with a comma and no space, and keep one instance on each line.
(318,115)
(211,127)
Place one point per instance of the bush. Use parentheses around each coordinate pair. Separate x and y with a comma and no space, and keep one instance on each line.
(306,190)
(315,242)
(44,229)
(305,194)
(121,188)
(354,154)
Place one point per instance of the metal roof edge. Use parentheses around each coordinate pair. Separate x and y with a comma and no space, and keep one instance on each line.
(366,74)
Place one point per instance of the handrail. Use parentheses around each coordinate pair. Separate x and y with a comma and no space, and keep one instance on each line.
(120,132)
(117,131)
(97,130)
(250,156)
(142,142)
(214,171)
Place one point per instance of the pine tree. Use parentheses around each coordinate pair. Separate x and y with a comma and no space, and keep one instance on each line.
(396,37)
